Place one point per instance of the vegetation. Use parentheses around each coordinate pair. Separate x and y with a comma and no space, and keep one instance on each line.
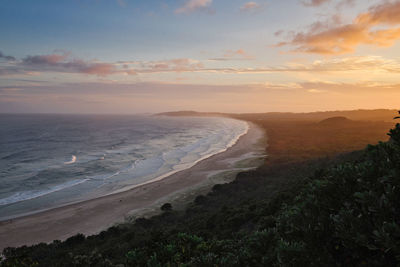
(311,204)
(166,207)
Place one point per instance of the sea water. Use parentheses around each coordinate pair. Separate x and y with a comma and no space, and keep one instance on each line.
(53,160)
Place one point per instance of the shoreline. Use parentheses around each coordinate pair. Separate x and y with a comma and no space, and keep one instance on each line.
(92,216)
(130,187)
(165,175)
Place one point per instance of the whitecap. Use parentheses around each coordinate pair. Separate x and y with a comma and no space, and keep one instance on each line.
(73,160)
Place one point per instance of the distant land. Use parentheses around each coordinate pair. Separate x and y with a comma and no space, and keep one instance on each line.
(337,121)
(360,114)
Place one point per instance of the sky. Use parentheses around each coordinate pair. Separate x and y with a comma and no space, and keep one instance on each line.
(131,56)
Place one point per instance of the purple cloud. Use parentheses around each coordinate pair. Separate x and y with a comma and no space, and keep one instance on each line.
(8,58)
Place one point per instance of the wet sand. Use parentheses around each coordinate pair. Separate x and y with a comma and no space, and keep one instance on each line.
(92,216)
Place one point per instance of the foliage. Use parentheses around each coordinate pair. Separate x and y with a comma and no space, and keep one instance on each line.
(166,207)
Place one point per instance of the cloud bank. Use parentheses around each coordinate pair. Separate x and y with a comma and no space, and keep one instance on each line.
(7,58)
(317,3)
(379,26)
(61,63)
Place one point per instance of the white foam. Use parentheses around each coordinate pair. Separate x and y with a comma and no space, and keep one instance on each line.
(73,160)
(188,165)
(26,195)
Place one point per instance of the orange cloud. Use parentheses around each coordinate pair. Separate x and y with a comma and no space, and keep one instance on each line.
(193,5)
(386,13)
(249,6)
(360,63)
(100,69)
(239,54)
(347,64)
(316,3)
(345,38)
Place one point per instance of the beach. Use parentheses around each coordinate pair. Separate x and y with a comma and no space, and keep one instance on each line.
(92,216)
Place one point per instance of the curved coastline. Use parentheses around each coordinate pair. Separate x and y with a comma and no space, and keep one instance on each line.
(124,189)
(158,178)
(132,182)
(94,215)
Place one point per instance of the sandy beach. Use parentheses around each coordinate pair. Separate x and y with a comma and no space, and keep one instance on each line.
(92,216)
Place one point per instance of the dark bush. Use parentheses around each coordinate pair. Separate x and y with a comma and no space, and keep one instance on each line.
(166,207)
(200,200)
(75,240)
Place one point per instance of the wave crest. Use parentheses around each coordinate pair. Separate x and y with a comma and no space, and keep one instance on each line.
(73,160)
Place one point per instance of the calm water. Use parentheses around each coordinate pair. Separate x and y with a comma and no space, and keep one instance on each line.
(51,160)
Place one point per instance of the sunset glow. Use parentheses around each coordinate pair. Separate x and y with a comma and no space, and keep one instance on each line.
(127,56)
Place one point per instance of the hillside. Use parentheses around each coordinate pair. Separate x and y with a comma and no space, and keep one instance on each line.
(335,121)
(313,203)
(361,115)
(358,115)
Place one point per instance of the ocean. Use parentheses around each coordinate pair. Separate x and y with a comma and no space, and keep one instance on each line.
(48,161)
